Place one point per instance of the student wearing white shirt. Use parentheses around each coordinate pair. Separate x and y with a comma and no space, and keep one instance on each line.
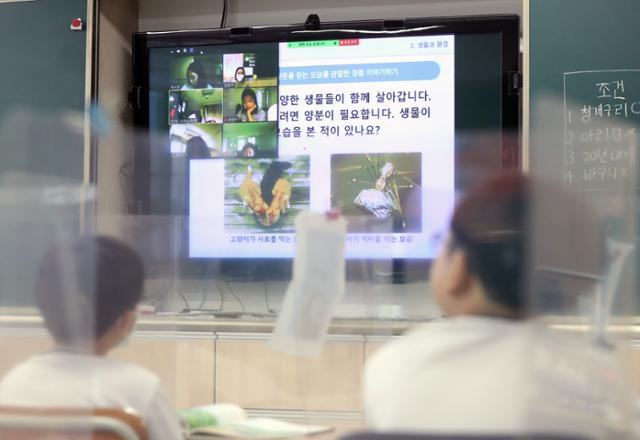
(87,291)
(486,369)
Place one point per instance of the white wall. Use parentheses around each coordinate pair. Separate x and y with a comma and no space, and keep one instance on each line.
(184,14)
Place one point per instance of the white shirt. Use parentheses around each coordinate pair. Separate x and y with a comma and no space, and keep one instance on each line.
(489,376)
(68,379)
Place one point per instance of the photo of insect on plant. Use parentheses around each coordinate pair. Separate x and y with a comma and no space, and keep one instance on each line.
(382,186)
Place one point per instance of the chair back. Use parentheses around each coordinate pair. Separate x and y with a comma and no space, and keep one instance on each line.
(26,423)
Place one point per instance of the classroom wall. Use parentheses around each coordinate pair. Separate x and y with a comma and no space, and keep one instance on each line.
(169,14)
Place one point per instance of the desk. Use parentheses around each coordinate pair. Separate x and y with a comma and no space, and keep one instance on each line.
(29,318)
(333,435)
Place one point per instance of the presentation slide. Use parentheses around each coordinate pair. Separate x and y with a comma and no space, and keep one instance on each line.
(365,126)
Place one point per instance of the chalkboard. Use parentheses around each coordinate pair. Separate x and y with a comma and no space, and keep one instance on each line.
(41,155)
(585,58)
(584,85)
(42,76)
(600,127)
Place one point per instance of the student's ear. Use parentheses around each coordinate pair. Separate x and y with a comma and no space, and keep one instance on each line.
(127,321)
(459,274)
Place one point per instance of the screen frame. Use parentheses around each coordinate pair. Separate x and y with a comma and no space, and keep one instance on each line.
(507,26)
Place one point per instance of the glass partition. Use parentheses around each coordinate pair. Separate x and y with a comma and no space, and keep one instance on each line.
(290,338)
(479,302)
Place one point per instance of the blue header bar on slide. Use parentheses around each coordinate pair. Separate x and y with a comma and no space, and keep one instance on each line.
(359,73)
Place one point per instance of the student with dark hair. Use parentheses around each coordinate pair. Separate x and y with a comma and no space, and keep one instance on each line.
(196,148)
(239,75)
(196,77)
(87,291)
(249,150)
(487,236)
(249,112)
(475,372)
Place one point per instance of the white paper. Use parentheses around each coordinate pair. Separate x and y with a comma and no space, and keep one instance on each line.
(318,283)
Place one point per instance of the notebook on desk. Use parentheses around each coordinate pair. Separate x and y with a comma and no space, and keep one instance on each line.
(231,421)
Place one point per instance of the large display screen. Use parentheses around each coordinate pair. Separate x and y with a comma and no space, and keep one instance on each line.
(259,132)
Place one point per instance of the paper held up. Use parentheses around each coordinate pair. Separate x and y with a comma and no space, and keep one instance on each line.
(317,285)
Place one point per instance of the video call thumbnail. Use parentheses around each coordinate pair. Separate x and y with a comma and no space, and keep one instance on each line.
(238,67)
(384,187)
(259,139)
(199,71)
(196,141)
(250,69)
(250,104)
(195,106)
(265,195)
(208,67)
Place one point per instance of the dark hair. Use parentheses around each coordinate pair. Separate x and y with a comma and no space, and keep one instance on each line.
(84,286)
(196,148)
(198,68)
(490,225)
(249,92)
(516,230)
(251,146)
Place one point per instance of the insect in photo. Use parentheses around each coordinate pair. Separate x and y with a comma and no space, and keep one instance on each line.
(379,185)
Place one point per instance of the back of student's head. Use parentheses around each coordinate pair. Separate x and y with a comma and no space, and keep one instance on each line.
(85,285)
(512,227)
(197,148)
(490,226)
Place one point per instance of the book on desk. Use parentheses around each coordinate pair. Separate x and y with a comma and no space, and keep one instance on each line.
(231,421)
